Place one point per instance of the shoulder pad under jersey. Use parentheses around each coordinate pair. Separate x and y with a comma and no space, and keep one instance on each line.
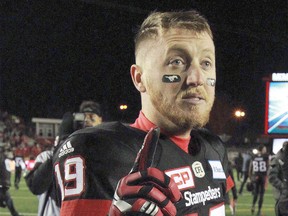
(203,138)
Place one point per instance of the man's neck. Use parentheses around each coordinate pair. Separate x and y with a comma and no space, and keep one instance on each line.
(143,123)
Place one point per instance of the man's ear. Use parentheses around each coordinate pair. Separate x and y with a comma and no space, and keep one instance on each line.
(136,75)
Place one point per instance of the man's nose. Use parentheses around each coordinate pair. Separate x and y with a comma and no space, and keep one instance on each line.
(195,76)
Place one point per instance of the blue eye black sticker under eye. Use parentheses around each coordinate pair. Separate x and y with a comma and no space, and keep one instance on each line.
(211,81)
(171,78)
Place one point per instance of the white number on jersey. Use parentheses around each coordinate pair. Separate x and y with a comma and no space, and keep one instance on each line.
(259,166)
(73,182)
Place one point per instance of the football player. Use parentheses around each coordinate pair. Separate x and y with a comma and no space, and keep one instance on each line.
(185,166)
(19,167)
(258,176)
(5,183)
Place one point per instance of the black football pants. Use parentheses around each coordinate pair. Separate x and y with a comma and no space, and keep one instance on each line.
(5,196)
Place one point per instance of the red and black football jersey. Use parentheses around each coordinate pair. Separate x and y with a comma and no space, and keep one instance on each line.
(89,164)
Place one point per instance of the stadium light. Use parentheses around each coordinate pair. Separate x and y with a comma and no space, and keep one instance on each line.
(255,151)
(123,107)
(239,114)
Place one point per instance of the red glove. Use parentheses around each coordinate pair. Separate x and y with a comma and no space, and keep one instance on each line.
(146,189)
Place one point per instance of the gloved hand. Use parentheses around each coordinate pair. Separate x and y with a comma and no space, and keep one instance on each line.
(146,190)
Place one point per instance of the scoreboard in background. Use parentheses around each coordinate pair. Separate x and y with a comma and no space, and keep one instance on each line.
(276,114)
(277,144)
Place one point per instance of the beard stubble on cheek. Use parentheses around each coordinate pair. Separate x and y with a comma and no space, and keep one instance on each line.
(182,114)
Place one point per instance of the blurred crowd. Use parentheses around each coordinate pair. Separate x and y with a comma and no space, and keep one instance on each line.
(18,138)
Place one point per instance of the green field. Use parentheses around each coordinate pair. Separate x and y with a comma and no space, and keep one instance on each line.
(245,202)
(26,203)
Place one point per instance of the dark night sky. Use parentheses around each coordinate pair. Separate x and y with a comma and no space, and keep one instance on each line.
(54,54)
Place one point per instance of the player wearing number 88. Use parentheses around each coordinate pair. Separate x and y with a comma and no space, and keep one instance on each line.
(258,176)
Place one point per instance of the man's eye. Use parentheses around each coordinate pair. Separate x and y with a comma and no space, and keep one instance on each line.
(176,62)
(206,64)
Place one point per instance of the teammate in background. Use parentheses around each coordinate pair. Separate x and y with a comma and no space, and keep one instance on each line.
(282,205)
(238,165)
(175,74)
(276,177)
(19,167)
(5,183)
(258,175)
(40,179)
(245,169)
(232,201)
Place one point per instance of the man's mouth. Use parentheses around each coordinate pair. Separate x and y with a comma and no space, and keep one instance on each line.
(193,98)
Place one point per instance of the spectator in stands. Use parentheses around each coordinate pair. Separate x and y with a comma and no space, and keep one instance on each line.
(35,150)
(26,150)
(276,176)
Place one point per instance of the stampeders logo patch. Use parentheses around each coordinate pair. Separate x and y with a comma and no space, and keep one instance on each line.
(182,176)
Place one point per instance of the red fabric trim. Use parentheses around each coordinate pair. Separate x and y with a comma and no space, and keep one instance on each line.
(144,124)
(229,183)
(181,142)
(85,207)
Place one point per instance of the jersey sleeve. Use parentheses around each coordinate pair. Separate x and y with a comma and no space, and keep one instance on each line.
(76,169)
(229,180)
(87,168)
(37,180)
